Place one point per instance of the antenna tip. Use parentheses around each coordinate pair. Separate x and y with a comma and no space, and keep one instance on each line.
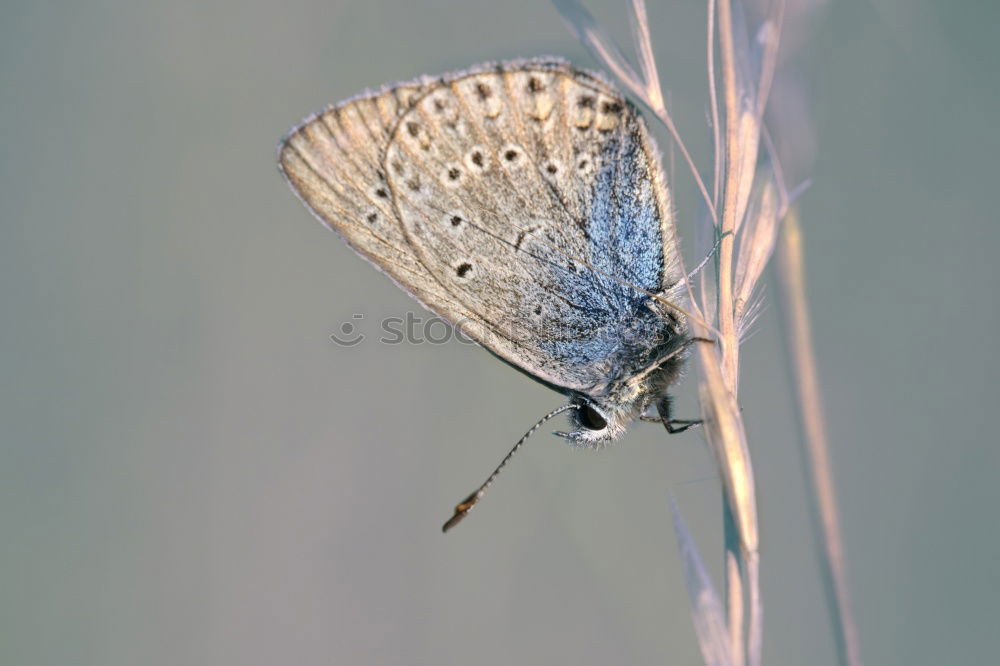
(462,510)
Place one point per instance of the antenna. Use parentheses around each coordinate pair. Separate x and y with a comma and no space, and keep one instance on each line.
(465,506)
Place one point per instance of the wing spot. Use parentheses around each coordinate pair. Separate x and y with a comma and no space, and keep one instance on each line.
(612,107)
(512,155)
(484,91)
(413,128)
(551,168)
(585,101)
(414,184)
(452,176)
(456,220)
(381,193)
(582,166)
(463,269)
(538,309)
(476,159)
(535,85)
(372,217)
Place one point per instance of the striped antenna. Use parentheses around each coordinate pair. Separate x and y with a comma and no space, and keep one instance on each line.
(465,506)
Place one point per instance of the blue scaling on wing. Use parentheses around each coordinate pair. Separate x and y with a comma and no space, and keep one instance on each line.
(625,233)
(612,330)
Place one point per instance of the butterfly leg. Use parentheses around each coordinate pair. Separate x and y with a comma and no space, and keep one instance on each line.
(672,425)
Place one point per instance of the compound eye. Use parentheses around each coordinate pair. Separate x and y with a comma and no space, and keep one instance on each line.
(591,419)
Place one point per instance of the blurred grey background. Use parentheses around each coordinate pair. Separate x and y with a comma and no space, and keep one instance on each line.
(191,472)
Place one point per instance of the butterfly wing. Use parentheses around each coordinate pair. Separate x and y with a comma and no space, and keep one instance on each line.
(333,162)
(521,201)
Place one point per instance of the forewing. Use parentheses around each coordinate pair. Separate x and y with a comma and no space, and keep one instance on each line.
(521,201)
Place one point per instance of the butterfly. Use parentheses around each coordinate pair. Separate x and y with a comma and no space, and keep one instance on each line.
(522,201)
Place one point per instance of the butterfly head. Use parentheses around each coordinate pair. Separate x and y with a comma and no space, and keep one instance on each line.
(601,418)
(594,424)
(598,422)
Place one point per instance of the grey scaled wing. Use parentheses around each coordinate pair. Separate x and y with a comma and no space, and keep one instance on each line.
(522,201)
